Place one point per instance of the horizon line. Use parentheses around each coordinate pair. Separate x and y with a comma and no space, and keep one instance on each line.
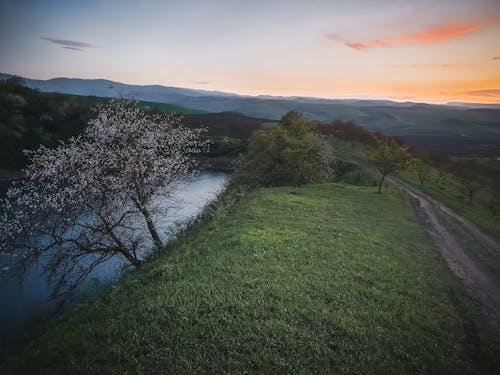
(340,97)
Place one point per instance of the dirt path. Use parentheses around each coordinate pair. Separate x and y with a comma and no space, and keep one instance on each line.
(480,282)
(488,242)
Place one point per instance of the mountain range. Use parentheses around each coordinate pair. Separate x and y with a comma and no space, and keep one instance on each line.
(475,128)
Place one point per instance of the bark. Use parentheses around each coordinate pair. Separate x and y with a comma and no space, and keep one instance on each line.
(380,184)
(133,260)
(151,227)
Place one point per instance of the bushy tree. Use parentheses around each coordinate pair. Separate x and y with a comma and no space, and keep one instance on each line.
(389,157)
(290,154)
(422,169)
(96,196)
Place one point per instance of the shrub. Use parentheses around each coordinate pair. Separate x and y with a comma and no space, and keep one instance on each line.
(290,154)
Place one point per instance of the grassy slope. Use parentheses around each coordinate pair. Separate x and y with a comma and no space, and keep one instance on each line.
(330,278)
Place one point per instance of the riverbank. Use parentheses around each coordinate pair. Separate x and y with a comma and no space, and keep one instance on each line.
(29,302)
(328,278)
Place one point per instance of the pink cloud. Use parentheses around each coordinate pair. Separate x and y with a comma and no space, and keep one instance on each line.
(429,35)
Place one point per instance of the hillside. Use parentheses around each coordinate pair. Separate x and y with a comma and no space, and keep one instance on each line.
(29,118)
(460,129)
(324,279)
(225,124)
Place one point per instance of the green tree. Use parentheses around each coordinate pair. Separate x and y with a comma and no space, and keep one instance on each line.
(422,169)
(288,154)
(389,157)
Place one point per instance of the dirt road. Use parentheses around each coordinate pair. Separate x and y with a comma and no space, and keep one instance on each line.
(480,282)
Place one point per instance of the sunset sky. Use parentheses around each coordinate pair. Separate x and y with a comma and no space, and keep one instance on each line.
(426,50)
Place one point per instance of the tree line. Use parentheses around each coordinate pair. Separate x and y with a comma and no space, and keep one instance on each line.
(29,119)
(392,155)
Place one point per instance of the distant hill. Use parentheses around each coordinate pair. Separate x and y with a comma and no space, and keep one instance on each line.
(459,129)
(225,124)
(474,105)
(29,118)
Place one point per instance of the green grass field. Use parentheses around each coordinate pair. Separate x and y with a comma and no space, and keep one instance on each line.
(330,278)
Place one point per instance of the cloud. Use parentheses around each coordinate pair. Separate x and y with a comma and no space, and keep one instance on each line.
(439,66)
(492,93)
(429,35)
(70,44)
(202,82)
(74,48)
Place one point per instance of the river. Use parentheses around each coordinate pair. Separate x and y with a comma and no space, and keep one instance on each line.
(22,303)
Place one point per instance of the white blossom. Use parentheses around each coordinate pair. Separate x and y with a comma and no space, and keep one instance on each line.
(81,201)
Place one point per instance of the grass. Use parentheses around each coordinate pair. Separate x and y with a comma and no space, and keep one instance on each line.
(331,278)
(445,187)
(356,175)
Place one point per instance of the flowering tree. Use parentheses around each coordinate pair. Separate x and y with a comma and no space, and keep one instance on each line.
(95,196)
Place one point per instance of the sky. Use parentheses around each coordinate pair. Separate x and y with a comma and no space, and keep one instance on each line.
(404,50)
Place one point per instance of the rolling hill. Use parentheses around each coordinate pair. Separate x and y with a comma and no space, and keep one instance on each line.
(457,129)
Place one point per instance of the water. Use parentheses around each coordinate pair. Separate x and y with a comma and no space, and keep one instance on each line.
(22,303)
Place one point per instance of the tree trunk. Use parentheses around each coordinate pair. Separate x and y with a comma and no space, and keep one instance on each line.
(133,260)
(380,184)
(151,227)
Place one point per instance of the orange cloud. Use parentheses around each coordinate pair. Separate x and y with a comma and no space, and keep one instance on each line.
(435,34)
(492,93)
(440,66)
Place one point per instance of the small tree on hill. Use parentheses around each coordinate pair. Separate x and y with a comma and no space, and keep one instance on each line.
(96,196)
(389,157)
(422,169)
(288,154)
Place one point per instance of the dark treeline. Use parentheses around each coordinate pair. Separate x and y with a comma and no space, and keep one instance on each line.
(29,119)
